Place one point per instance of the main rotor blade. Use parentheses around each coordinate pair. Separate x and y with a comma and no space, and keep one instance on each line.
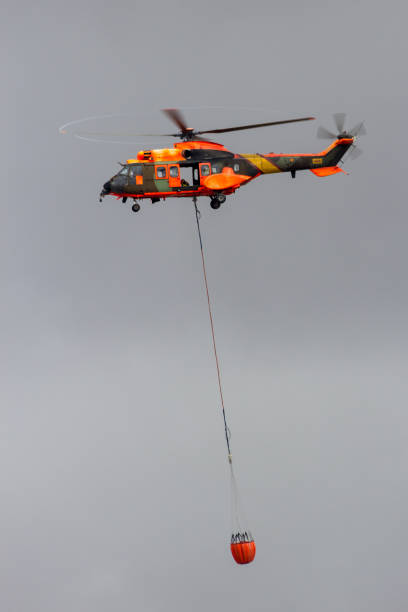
(112,137)
(359,130)
(175,115)
(190,132)
(339,120)
(325,134)
(148,141)
(252,126)
(115,134)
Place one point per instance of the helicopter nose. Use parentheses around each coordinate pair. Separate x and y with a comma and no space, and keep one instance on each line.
(106,189)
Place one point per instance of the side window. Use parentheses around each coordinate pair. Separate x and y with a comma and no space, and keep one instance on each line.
(205,169)
(174,171)
(139,170)
(216,168)
(132,171)
(161,172)
(236,167)
(195,174)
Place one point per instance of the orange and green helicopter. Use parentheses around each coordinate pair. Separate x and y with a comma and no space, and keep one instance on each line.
(196,167)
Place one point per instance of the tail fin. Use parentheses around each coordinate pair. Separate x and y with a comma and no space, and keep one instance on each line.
(333,154)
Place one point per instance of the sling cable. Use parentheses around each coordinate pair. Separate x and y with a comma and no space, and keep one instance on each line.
(243,547)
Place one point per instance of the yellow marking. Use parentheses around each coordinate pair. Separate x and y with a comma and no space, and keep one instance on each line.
(263,164)
(317,161)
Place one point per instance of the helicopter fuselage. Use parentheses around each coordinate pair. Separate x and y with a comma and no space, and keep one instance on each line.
(198,168)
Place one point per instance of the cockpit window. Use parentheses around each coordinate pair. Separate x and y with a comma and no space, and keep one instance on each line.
(124,170)
(135,170)
(216,168)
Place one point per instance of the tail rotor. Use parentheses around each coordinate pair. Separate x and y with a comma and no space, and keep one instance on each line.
(340,120)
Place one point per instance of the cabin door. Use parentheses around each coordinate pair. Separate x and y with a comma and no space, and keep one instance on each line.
(205,170)
(162,178)
(174,176)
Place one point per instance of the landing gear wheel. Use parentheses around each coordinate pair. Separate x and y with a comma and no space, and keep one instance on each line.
(136,207)
(215,203)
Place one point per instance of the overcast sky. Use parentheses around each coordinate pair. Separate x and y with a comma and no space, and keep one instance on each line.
(114,479)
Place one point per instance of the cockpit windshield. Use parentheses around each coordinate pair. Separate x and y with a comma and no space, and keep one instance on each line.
(124,170)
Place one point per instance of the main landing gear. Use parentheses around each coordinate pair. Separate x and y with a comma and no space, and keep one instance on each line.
(217,200)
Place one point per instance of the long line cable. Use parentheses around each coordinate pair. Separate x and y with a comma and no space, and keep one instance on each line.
(236,510)
(227,431)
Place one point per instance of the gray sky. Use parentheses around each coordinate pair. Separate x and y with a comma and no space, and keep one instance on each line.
(114,481)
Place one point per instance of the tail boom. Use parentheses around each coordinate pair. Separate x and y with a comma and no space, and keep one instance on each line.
(271,163)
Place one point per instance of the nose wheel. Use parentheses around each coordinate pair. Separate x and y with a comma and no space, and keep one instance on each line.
(136,207)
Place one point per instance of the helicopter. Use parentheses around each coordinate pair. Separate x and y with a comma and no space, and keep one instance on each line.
(195,167)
